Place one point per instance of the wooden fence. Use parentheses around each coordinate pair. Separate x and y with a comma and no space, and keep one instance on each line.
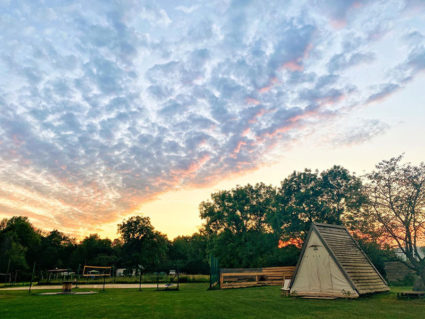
(251,277)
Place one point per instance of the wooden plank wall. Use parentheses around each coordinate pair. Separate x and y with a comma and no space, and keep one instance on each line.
(246,277)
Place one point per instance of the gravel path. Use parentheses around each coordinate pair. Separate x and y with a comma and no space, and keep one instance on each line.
(96,286)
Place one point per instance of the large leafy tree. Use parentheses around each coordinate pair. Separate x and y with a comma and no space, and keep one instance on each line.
(298,203)
(142,244)
(306,197)
(236,222)
(94,250)
(19,243)
(396,208)
(342,192)
(242,209)
(55,251)
(12,253)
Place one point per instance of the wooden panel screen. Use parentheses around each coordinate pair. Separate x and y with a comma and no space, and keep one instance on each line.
(246,277)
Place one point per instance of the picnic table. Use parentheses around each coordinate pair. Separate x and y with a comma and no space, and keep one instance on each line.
(66,286)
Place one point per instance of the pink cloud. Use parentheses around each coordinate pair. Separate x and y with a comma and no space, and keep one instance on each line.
(293,66)
(302,116)
(338,23)
(267,88)
(253,101)
(237,149)
(246,131)
(178,175)
(329,100)
(357,5)
(260,113)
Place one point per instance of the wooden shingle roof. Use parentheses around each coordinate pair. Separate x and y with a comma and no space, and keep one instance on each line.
(354,263)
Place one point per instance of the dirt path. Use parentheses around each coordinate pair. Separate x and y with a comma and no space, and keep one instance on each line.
(94,286)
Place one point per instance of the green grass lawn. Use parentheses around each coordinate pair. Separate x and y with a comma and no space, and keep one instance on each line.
(194,301)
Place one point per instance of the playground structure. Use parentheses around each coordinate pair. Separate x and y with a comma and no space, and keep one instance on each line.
(253,277)
(97,271)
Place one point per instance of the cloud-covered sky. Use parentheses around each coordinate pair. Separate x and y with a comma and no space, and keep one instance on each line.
(105,105)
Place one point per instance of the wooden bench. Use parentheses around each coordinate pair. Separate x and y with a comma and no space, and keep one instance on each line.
(411,294)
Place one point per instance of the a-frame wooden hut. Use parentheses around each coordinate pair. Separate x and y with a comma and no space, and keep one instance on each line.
(332,264)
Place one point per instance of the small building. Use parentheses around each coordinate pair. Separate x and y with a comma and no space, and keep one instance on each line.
(332,264)
(399,253)
(120,272)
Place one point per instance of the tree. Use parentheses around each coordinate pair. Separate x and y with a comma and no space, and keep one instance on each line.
(142,244)
(189,254)
(396,208)
(306,197)
(342,192)
(25,232)
(237,224)
(12,253)
(3,224)
(298,204)
(19,243)
(94,250)
(56,249)
(239,210)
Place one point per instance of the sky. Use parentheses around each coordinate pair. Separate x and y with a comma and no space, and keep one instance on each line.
(110,109)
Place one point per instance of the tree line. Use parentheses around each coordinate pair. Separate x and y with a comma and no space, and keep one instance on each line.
(22,245)
(250,226)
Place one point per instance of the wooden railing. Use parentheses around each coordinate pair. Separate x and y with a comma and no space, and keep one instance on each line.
(251,277)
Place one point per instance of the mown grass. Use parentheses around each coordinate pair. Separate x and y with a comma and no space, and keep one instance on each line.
(194,301)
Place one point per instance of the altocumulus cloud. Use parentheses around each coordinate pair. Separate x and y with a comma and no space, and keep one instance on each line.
(104,105)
